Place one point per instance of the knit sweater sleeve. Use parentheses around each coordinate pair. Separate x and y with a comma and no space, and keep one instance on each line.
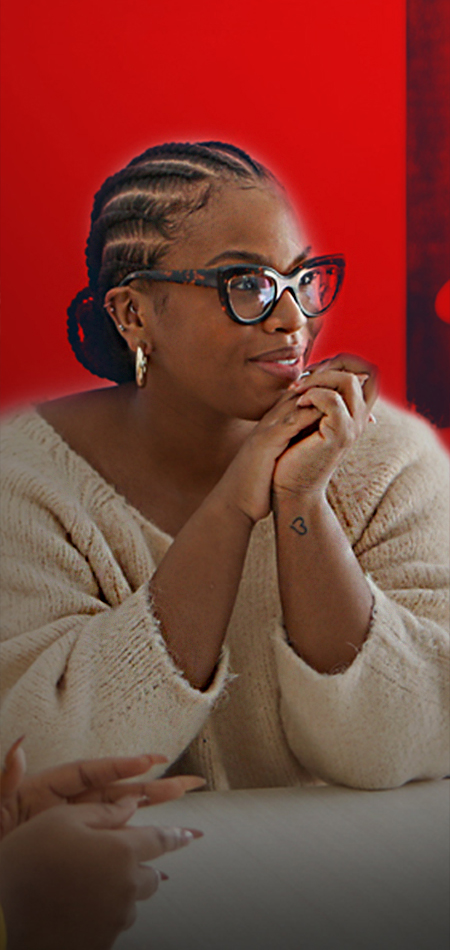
(85,671)
(384,720)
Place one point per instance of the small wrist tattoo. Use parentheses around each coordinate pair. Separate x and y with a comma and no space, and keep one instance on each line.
(298,525)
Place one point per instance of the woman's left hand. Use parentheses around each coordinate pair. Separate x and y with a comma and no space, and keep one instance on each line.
(344,390)
(87,780)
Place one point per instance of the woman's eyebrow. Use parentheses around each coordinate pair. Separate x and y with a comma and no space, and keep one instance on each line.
(253,258)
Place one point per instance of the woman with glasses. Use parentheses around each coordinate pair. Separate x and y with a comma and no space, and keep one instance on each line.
(223,557)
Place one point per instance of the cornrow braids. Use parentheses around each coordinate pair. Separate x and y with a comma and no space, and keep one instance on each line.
(259,170)
(137,214)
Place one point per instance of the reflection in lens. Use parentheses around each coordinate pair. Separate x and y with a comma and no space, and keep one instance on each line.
(317,288)
(250,294)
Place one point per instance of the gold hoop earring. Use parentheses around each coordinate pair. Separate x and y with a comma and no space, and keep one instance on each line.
(141,366)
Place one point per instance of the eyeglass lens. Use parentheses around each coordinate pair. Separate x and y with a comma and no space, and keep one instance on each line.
(251,294)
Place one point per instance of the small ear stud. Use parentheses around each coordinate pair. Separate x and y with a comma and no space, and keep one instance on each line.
(121,327)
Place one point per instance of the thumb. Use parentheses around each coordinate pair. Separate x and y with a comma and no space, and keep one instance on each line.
(107,814)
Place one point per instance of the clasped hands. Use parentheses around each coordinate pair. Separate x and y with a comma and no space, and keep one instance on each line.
(297,445)
(332,401)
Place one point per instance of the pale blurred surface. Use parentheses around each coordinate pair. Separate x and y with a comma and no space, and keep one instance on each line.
(303,869)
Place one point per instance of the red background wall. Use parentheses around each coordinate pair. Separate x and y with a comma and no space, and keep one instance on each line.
(314,90)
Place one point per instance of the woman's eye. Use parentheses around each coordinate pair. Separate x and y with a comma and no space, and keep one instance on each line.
(249,283)
(307,278)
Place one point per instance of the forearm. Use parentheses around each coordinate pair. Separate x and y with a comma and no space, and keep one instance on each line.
(82,643)
(325,597)
(195,587)
(112,662)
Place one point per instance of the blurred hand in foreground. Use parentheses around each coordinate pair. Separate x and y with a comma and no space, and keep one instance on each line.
(86,780)
(71,870)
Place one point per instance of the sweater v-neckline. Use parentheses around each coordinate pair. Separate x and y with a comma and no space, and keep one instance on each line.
(82,462)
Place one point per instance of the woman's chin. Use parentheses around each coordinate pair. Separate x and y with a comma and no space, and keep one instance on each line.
(256,409)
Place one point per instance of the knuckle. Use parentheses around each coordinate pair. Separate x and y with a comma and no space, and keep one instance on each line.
(334,398)
(352,381)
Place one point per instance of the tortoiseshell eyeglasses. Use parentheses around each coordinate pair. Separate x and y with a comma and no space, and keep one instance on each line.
(249,292)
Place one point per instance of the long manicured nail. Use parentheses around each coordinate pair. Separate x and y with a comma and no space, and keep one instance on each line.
(16,745)
(363,377)
(192,833)
(197,781)
(372,418)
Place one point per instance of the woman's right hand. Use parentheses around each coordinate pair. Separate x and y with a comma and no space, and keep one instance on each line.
(247,483)
(71,876)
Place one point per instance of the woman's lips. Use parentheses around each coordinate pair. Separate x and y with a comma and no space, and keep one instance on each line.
(283,369)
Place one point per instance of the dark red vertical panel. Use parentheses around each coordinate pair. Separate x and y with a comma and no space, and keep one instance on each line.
(428,208)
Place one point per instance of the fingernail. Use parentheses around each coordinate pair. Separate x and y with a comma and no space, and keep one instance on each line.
(16,745)
(372,418)
(194,832)
(197,782)
(127,801)
(184,835)
(188,834)
(363,377)
(306,372)
(163,875)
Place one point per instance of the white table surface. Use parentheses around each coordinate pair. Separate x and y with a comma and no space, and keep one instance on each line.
(303,869)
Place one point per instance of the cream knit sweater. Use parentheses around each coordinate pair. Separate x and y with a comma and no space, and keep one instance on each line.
(85,671)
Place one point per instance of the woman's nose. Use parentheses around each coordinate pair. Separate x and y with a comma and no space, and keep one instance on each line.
(286,316)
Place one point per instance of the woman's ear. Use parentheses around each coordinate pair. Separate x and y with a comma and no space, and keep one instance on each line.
(122,305)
